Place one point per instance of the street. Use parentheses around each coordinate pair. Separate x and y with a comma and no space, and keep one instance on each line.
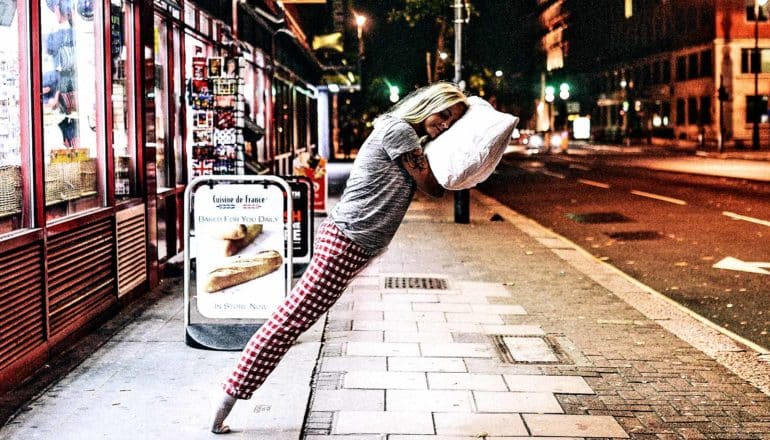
(700,240)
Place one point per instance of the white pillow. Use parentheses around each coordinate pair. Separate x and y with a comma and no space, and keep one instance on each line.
(469,151)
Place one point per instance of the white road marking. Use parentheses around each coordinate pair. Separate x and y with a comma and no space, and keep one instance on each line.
(594,183)
(659,197)
(731,263)
(579,167)
(552,174)
(735,216)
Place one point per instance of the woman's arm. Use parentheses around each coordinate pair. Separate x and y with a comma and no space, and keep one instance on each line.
(416,164)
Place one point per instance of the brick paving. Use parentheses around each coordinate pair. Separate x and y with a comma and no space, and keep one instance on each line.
(528,338)
(580,363)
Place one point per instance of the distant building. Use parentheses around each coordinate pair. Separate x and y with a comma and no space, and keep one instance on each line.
(651,70)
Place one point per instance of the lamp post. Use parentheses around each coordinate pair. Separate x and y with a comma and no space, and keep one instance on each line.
(462,197)
(756,67)
(360,22)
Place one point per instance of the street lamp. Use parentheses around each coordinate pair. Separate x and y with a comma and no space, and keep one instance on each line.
(755,66)
(360,22)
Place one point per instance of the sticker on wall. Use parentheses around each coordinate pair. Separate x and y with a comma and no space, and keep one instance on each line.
(203,119)
(198,68)
(215,67)
(203,167)
(225,86)
(202,137)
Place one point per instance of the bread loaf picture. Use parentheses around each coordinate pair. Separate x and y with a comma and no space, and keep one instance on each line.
(242,268)
(229,232)
(236,237)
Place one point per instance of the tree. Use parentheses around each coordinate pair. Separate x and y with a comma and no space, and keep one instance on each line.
(437,12)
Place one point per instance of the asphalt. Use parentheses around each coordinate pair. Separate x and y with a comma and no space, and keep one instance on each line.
(495,329)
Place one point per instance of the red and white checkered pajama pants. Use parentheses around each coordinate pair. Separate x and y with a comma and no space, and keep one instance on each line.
(336,261)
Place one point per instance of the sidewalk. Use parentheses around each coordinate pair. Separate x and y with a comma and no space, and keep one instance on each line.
(497,329)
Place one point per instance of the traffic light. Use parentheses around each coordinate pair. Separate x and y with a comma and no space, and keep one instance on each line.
(394,91)
(549,91)
(564,91)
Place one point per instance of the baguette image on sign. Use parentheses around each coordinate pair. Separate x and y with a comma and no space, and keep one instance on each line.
(241,250)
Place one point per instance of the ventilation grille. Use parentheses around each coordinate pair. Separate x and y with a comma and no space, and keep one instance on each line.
(80,274)
(22,316)
(415,283)
(132,249)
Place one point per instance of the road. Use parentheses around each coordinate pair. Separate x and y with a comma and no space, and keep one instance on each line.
(702,241)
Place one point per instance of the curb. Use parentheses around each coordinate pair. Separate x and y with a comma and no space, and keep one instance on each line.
(746,359)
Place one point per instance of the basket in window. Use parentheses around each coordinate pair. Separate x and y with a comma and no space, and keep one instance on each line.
(62,181)
(71,187)
(10,189)
(88,176)
(53,183)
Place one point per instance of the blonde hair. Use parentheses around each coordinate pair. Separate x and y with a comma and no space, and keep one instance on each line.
(425,101)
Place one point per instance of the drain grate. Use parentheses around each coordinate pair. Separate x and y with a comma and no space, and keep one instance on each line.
(635,235)
(599,217)
(415,283)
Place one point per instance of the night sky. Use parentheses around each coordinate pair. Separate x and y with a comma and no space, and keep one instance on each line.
(500,36)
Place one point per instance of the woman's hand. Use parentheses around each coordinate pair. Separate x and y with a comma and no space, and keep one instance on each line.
(416,164)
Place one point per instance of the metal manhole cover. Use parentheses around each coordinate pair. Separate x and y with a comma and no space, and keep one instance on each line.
(599,217)
(529,350)
(415,283)
(635,235)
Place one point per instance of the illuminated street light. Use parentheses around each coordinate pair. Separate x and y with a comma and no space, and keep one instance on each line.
(498,73)
(360,22)
(443,56)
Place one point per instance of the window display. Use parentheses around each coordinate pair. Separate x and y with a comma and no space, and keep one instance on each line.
(10,125)
(217,109)
(161,105)
(69,107)
(125,154)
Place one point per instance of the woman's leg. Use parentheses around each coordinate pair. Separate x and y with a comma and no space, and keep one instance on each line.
(336,261)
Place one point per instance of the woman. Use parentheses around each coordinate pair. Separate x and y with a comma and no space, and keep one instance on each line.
(389,167)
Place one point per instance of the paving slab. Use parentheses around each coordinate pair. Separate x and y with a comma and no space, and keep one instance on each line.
(382,349)
(385,380)
(493,425)
(548,384)
(516,402)
(574,425)
(438,364)
(383,422)
(466,381)
(429,400)
(457,349)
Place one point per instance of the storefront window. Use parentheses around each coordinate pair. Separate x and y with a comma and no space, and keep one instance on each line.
(71,158)
(179,160)
(11,187)
(122,111)
(283,117)
(161,107)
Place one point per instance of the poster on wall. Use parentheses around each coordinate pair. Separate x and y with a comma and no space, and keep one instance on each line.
(314,168)
(302,217)
(216,100)
(242,256)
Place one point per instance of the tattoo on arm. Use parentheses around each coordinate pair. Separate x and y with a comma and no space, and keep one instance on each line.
(416,160)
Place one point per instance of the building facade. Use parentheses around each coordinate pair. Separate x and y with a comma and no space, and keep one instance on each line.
(652,71)
(101,110)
